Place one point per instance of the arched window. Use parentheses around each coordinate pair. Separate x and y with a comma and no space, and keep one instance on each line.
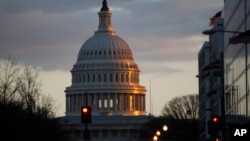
(88,78)
(105,77)
(80,78)
(127,79)
(111,103)
(122,77)
(99,103)
(111,78)
(99,78)
(105,103)
(117,77)
(93,78)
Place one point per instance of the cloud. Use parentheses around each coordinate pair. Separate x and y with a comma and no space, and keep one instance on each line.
(50,32)
(164,35)
(58,6)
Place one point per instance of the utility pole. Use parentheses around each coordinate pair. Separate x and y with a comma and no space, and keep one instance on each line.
(86,118)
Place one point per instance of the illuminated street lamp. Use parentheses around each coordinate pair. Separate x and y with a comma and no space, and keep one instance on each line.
(158,133)
(155,138)
(165,128)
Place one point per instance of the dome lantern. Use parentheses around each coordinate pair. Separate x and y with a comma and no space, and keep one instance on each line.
(105,20)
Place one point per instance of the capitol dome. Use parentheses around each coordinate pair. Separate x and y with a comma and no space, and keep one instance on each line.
(105,46)
(105,75)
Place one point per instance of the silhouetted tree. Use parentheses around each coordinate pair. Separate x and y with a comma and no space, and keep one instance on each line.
(184,107)
(26,114)
(19,124)
(9,82)
(183,112)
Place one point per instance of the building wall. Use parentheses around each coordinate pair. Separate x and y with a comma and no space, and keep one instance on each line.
(203,60)
(236,67)
(210,76)
(105,128)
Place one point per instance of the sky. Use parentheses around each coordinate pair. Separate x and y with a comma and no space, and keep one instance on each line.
(165,37)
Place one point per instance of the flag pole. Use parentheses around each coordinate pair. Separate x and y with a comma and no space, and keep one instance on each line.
(150,100)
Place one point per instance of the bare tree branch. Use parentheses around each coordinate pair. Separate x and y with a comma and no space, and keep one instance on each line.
(185,107)
(21,84)
(9,72)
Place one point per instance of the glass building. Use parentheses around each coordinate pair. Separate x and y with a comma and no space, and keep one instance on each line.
(236,58)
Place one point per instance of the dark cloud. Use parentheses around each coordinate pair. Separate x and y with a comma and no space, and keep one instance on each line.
(23,6)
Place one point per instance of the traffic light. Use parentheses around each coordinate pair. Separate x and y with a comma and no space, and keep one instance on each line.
(86,114)
(217,123)
(217,138)
(214,125)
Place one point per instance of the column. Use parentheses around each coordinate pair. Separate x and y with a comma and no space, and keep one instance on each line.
(144,103)
(75,96)
(70,103)
(102,103)
(89,99)
(121,102)
(115,102)
(67,103)
(95,106)
(108,104)
(136,102)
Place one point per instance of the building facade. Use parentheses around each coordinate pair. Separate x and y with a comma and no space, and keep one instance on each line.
(236,16)
(210,63)
(204,115)
(233,104)
(106,78)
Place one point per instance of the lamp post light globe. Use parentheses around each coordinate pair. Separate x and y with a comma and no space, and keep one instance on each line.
(165,128)
(158,133)
(155,138)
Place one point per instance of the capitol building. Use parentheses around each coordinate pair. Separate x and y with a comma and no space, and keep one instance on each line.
(106,78)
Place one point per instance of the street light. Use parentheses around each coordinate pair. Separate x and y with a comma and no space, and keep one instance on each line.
(155,138)
(165,128)
(158,133)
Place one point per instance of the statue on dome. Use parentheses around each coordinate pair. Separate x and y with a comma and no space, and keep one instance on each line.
(104,6)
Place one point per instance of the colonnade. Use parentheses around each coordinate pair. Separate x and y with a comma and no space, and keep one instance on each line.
(106,102)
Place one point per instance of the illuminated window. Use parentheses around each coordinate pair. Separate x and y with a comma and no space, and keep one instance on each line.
(111,103)
(110,77)
(105,103)
(99,103)
(131,103)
